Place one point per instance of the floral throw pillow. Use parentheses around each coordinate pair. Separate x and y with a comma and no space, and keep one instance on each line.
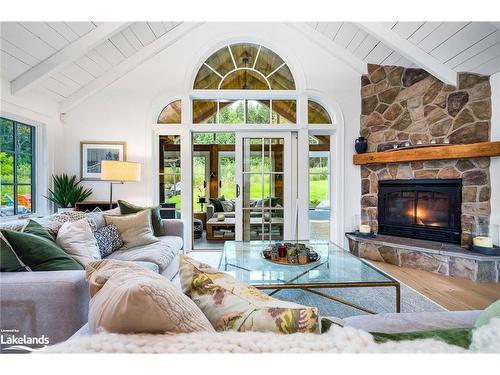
(231,305)
(108,239)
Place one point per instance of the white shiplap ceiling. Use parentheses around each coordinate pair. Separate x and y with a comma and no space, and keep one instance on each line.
(23,45)
(461,46)
(41,56)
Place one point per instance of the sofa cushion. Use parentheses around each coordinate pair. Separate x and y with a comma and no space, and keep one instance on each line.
(129,208)
(135,229)
(232,305)
(38,253)
(76,239)
(410,322)
(126,298)
(161,253)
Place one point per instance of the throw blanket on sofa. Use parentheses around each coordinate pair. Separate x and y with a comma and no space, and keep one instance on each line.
(337,340)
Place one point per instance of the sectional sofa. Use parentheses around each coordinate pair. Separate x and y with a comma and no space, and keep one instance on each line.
(55,303)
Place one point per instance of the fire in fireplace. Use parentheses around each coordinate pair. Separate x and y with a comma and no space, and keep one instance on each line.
(421,208)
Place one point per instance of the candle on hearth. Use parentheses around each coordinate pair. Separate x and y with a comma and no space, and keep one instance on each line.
(482,241)
(364,228)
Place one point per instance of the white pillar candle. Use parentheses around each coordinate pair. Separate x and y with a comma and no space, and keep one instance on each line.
(364,228)
(482,241)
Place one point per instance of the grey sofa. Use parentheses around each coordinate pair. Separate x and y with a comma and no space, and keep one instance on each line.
(55,303)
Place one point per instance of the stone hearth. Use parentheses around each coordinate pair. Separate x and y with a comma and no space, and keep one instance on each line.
(409,105)
(436,257)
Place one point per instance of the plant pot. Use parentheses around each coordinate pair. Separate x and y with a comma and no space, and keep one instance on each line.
(361,144)
(66,209)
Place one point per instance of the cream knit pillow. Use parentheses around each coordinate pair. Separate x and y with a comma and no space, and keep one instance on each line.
(135,229)
(127,298)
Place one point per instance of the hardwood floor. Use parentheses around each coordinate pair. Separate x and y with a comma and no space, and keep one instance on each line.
(450,292)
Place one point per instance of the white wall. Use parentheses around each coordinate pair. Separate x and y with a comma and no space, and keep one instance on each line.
(35,109)
(125,110)
(495,136)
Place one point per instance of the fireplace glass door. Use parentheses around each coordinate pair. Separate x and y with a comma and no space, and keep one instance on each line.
(428,209)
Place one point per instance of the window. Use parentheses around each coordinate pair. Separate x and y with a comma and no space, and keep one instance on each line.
(244,66)
(248,111)
(317,114)
(17,159)
(171,114)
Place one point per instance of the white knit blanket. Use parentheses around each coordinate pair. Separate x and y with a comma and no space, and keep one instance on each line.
(337,340)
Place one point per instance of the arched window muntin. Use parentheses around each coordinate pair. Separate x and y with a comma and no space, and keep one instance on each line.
(262,61)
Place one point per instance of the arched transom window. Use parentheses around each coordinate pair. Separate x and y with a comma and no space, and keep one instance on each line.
(244,66)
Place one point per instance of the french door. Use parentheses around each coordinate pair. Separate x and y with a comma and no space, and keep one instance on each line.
(263,186)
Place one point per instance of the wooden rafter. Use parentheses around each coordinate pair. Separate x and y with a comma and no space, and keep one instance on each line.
(65,56)
(407,49)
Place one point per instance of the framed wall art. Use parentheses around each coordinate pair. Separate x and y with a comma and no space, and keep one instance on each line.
(92,153)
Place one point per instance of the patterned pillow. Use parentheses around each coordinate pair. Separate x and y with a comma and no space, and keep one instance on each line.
(108,239)
(231,305)
(227,206)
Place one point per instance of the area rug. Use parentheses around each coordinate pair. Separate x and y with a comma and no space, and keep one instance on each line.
(379,299)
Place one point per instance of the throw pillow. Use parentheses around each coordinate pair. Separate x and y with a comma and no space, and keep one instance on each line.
(76,239)
(108,240)
(35,228)
(126,298)
(128,208)
(227,206)
(9,261)
(135,229)
(231,305)
(216,202)
(456,336)
(492,311)
(38,253)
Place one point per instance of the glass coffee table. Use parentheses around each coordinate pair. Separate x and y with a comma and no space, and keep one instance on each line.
(336,268)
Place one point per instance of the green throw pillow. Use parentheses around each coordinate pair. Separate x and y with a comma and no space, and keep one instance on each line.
(9,262)
(492,311)
(34,228)
(39,253)
(128,208)
(456,336)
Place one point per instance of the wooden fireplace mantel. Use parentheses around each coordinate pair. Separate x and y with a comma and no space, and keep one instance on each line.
(430,152)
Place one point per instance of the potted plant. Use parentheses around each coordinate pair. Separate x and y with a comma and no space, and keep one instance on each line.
(66,192)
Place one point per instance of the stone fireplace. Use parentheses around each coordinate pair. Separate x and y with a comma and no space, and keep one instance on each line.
(404,105)
(409,105)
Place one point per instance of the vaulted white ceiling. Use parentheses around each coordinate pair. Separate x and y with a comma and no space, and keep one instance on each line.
(70,61)
(460,46)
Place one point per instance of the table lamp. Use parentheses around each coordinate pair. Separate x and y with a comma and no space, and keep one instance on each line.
(119,172)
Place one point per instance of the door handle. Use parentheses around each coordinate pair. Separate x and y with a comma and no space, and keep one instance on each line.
(237,190)
(220,184)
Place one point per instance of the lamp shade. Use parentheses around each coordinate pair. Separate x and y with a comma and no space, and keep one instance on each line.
(112,170)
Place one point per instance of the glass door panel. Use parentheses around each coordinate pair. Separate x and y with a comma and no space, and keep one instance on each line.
(170,177)
(227,175)
(264,186)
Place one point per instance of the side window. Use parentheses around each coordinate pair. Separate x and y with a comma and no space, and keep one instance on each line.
(17,159)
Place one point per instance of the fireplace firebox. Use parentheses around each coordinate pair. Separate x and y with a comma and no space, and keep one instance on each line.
(421,208)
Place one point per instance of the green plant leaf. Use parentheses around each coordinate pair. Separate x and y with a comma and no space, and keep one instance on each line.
(67,191)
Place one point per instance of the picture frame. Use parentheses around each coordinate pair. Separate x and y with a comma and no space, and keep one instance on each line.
(93,152)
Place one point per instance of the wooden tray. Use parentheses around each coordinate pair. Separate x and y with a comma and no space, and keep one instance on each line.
(284,261)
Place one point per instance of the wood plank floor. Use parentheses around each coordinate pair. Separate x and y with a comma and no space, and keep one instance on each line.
(450,292)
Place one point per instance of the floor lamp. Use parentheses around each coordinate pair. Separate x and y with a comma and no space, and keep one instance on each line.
(118,172)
